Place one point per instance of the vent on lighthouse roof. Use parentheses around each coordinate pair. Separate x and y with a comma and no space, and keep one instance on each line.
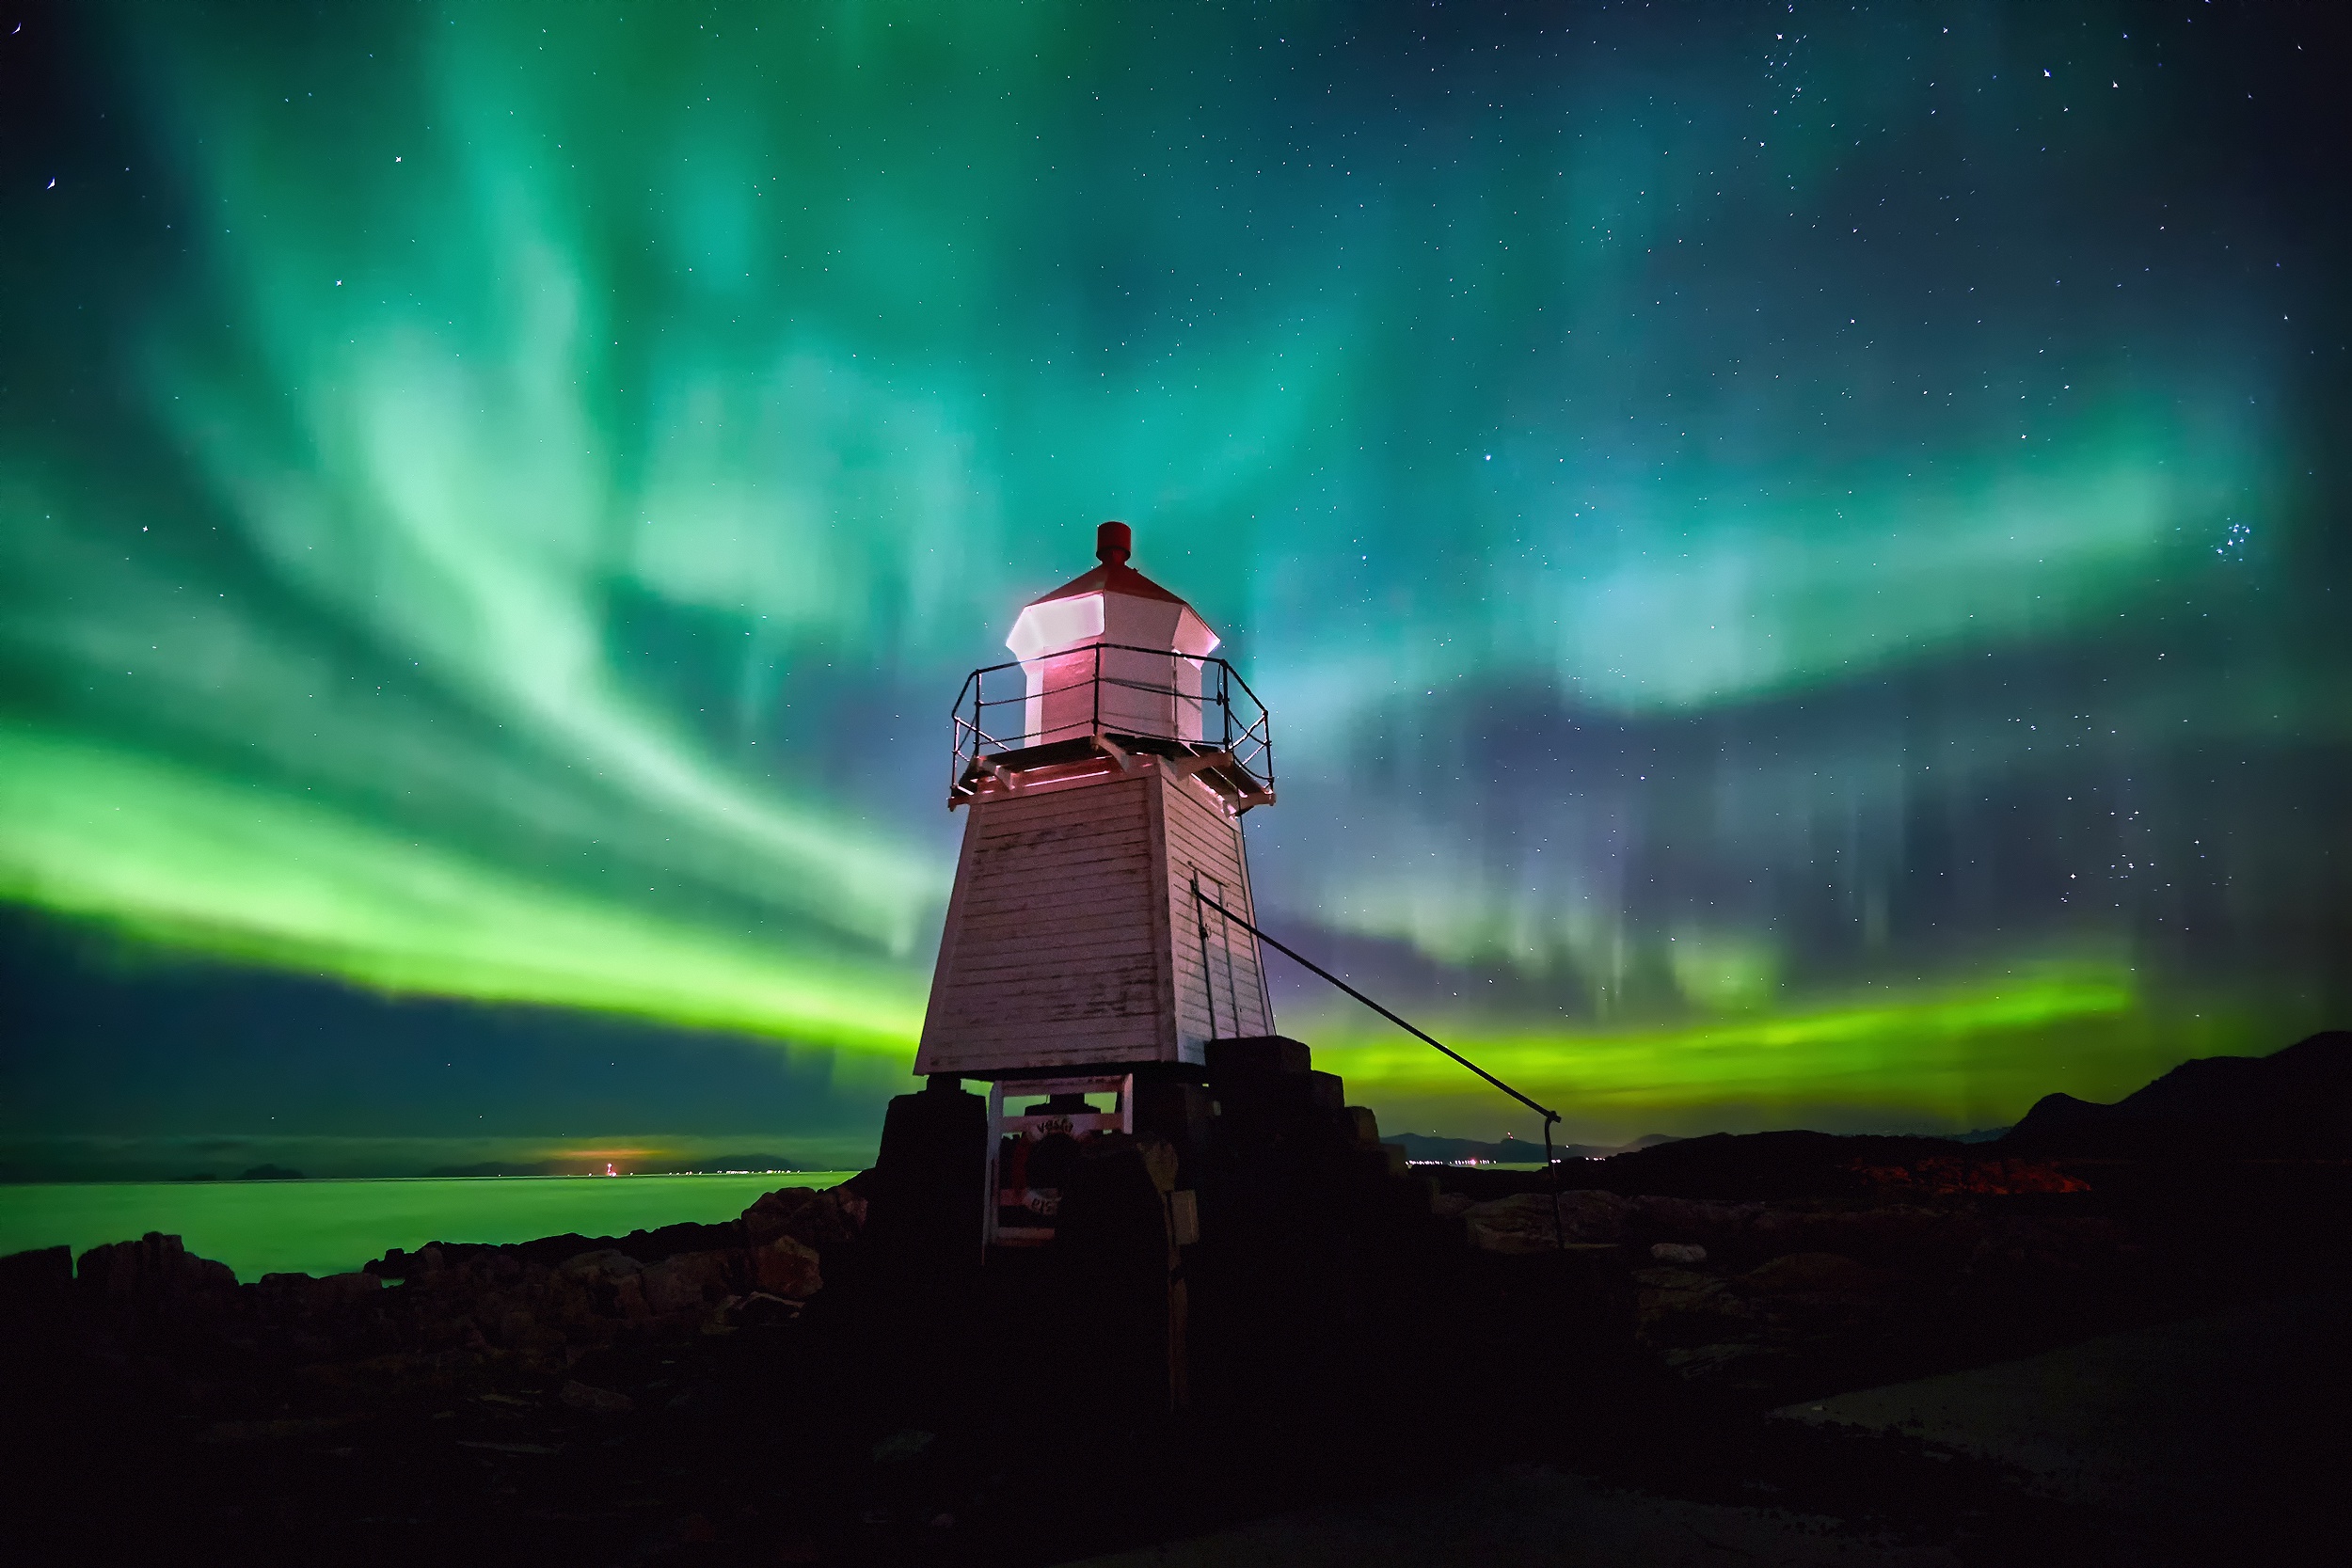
(1112,604)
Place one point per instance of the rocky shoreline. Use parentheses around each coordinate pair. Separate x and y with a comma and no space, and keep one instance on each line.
(785,1386)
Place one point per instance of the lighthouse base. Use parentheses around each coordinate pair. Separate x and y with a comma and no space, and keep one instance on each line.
(1162,1217)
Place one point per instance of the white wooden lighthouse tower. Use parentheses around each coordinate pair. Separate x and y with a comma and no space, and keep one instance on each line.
(1105,772)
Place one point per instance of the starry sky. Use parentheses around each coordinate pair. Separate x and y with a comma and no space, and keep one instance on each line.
(1796,551)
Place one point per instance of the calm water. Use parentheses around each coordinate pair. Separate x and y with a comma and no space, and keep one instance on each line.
(321,1228)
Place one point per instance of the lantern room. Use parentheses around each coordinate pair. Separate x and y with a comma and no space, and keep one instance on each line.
(1111,652)
(1107,668)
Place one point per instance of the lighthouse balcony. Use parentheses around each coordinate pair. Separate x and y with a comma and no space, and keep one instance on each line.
(1099,706)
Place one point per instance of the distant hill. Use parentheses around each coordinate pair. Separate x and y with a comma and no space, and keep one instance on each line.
(1510,1151)
(2296,1102)
(576,1166)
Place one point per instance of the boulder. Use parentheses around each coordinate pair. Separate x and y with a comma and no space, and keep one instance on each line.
(310,1308)
(1818,1274)
(786,1268)
(356,1288)
(690,1282)
(1537,1222)
(1678,1308)
(1692,1219)
(154,1273)
(1592,1216)
(604,1265)
(37,1272)
(1522,1223)
(2046,1245)
(599,1401)
(1743,1365)
(1682,1253)
(36,1282)
(818,1218)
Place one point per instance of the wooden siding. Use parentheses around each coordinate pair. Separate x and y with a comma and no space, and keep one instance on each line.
(1204,839)
(1070,936)
(1049,953)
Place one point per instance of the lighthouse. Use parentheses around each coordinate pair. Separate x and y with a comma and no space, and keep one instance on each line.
(1145,1128)
(1105,773)
(1146,1134)
(1096,941)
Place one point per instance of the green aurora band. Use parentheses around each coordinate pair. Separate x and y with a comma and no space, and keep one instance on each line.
(1788,552)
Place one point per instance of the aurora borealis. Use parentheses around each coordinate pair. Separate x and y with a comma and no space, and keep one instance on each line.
(1794,550)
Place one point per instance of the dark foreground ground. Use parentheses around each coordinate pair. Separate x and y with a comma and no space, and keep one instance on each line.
(1504,1380)
(2215,1440)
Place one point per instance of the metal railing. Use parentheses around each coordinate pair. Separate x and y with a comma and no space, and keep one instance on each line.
(1148,699)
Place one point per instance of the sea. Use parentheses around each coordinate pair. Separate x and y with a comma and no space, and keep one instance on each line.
(322,1227)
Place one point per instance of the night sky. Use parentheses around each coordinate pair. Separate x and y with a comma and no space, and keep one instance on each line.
(1797,552)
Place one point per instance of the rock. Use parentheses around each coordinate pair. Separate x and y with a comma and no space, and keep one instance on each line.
(274,1431)
(1688,1217)
(356,1286)
(1522,1223)
(688,1282)
(760,1309)
(772,1214)
(1538,1221)
(605,1264)
(2046,1245)
(1447,1206)
(305,1306)
(399,1264)
(786,1268)
(1958,1175)
(816,1219)
(1677,1252)
(153,1272)
(38,1279)
(1736,1364)
(1594,1216)
(601,1401)
(1676,1308)
(1818,1274)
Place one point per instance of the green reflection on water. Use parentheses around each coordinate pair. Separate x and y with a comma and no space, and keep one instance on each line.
(322,1227)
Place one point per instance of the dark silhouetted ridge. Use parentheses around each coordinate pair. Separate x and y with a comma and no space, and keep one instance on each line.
(2295,1102)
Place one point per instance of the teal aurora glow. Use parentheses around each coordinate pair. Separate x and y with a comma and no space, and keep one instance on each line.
(1794,551)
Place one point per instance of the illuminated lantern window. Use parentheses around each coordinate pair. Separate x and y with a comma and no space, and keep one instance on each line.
(1111,653)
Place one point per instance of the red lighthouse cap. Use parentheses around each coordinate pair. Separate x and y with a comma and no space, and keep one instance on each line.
(1107,604)
(1113,543)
